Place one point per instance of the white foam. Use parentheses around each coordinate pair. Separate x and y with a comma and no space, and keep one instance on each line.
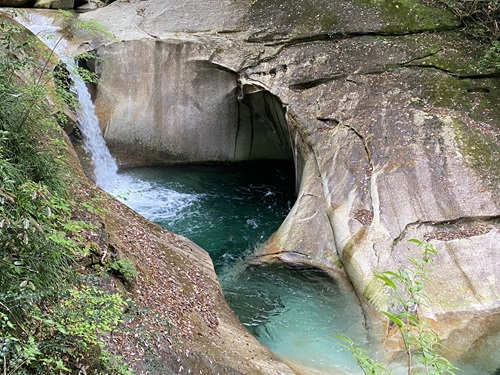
(151,200)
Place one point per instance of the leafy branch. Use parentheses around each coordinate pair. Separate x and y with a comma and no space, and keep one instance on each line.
(406,295)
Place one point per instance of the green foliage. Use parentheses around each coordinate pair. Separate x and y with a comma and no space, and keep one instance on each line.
(480,16)
(33,198)
(48,322)
(125,268)
(52,340)
(92,207)
(492,56)
(364,361)
(88,312)
(114,364)
(481,20)
(406,293)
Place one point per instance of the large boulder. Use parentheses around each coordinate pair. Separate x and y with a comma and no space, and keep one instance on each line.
(393,126)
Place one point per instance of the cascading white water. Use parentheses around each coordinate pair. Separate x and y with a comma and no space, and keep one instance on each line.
(105,168)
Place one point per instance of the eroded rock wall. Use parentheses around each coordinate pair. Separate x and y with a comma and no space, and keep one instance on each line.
(164,102)
(396,159)
(393,166)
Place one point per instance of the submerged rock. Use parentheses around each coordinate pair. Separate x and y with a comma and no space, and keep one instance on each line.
(393,128)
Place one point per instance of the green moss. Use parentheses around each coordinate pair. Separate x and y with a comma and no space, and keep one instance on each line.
(446,91)
(475,114)
(292,17)
(338,263)
(486,93)
(283,19)
(482,153)
(403,16)
(478,98)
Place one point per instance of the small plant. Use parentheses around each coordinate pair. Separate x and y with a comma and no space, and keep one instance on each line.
(406,295)
(90,27)
(367,364)
(492,56)
(88,312)
(51,340)
(125,268)
(480,19)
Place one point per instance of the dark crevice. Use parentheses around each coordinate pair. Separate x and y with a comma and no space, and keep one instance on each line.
(238,127)
(365,144)
(329,122)
(346,76)
(339,36)
(447,230)
(484,90)
(433,67)
(453,74)
(252,136)
(480,76)
(230,31)
(258,256)
(367,218)
(279,68)
(399,238)
(315,82)
(422,57)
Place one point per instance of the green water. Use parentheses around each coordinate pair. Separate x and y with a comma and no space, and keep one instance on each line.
(229,210)
(296,313)
(225,209)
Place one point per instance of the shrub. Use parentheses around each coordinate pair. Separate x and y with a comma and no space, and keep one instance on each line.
(49,321)
(481,20)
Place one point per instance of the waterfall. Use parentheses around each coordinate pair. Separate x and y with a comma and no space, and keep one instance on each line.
(105,168)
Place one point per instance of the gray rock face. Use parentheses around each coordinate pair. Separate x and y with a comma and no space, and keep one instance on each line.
(16,3)
(188,108)
(394,132)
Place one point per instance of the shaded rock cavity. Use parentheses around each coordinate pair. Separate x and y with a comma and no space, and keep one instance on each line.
(176,106)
